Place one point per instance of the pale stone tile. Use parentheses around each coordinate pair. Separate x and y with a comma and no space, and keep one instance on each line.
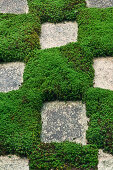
(99,3)
(12,162)
(103,72)
(14,6)
(11,76)
(64,121)
(105,161)
(56,35)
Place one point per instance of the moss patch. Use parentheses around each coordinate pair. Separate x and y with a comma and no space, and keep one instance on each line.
(99,104)
(65,155)
(55,11)
(19,34)
(57,78)
(95,30)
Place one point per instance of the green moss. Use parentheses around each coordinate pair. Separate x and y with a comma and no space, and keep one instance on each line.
(19,34)
(65,155)
(95,30)
(55,11)
(51,72)
(20,121)
(80,58)
(99,104)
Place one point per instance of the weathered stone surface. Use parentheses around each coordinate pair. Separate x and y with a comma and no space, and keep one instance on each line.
(103,73)
(64,121)
(105,161)
(11,76)
(13,6)
(56,35)
(99,3)
(12,162)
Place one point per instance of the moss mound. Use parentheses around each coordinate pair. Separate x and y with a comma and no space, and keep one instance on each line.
(65,155)
(99,104)
(95,30)
(55,11)
(19,34)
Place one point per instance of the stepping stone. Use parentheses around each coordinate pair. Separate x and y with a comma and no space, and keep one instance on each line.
(64,121)
(11,76)
(103,73)
(13,6)
(99,3)
(12,162)
(56,35)
(105,161)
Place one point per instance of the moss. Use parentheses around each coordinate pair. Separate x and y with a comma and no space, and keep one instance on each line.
(20,121)
(95,30)
(19,34)
(100,111)
(57,79)
(55,11)
(64,155)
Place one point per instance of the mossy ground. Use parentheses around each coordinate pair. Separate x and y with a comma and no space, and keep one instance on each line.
(64,73)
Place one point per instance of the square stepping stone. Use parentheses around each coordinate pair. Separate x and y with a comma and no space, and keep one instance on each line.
(12,162)
(103,73)
(13,6)
(56,35)
(11,76)
(99,3)
(105,161)
(64,121)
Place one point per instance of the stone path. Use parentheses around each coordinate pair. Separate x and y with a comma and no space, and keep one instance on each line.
(13,6)
(12,162)
(105,161)
(64,121)
(99,3)
(56,35)
(11,76)
(103,72)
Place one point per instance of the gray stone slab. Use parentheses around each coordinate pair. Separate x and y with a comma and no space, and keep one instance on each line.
(105,161)
(56,35)
(12,162)
(64,121)
(103,72)
(11,76)
(99,3)
(13,6)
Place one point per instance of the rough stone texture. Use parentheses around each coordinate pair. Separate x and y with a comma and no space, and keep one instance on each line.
(64,121)
(105,161)
(99,3)
(56,35)
(103,73)
(12,162)
(11,76)
(13,6)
